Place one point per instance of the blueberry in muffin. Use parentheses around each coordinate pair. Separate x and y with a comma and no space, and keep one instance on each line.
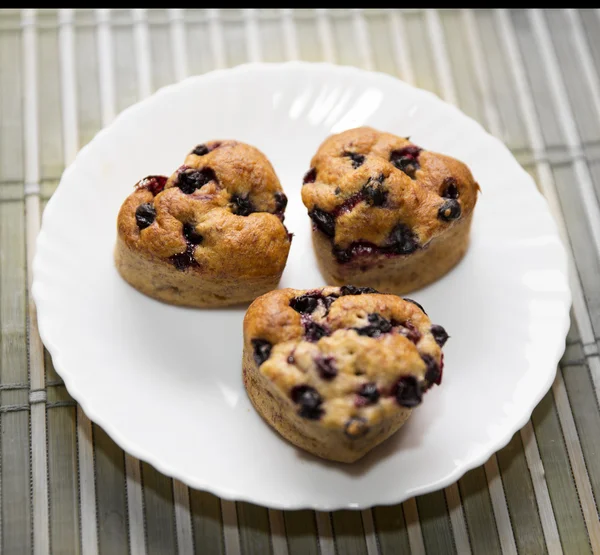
(386,212)
(338,370)
(212,234)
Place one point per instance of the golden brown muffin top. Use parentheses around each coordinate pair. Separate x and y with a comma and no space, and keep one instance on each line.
(221,212)
(369,187)
(346,356)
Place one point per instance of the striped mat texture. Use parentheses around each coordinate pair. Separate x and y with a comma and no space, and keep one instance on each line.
(532,78)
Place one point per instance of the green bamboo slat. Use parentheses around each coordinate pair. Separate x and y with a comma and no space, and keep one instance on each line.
(161,53)
(561,486)
(86,71)
(50,143)
(520,498)
(61,421)
(253,523)
(502,85)
(572,337)
(111,499)
(465,82)
(199,47)
(62,472)
(538,80)
(207,523)
(435,523)
(271,36)
(15,511)
(478,511)
(420,51)
(348,532)
(14,426)
(301,530)
(47,189)
(390,526)
(588,263)
(63,493)
(14,478)
(347,51)
(11,131)
(573,355)
(11,192)
(236,51)
(159,512)
(308,37)
(580,95)
(591,25)
(378,25)
(572,72)
(593,161)
(124,63)
(580,389)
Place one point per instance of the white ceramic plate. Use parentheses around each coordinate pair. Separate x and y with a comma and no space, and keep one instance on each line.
(165,382)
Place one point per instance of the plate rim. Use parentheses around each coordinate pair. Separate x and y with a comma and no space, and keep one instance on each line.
(94,414)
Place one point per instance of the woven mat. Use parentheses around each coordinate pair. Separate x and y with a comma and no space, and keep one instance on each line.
(531,78)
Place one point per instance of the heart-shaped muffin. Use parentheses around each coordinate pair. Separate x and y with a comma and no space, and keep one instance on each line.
(387,213)
(212,234)
(338,370)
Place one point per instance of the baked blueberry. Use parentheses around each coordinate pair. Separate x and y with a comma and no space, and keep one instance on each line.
(191,180)
(309,400)
(241,205)
(409,330)
(406,159)
(191,235)
(439,334)
(280,202)
(408,392)
(450,188)
(449,211)
(145,215)
(369,393)
(262,350)
(377,325)
(185,259)
(313,331)
(357,159)
(326,367)
(434,372)
(416,304)
(310,176)
(154,183)
(351,290)
(402,240)
(323,221)
(374,192)
(305,304)
(201,150)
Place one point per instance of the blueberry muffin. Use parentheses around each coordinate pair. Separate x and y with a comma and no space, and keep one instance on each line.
(338,370)
(212,234)
(385,212)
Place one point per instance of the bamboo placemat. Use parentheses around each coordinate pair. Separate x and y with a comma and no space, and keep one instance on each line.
(532,78)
